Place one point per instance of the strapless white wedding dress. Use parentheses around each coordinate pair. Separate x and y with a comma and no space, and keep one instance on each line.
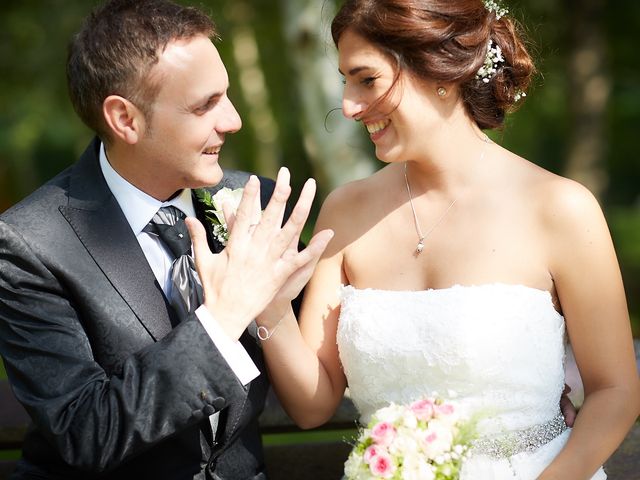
(497,349)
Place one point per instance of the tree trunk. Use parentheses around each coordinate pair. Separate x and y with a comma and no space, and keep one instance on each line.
(334,144)
(589,88)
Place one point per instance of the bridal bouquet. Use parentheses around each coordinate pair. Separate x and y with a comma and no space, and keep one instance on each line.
(425,440)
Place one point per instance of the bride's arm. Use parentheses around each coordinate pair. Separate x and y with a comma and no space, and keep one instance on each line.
(589,286)
(303,361)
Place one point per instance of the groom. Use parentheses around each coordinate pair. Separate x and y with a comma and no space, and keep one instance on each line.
(120,381)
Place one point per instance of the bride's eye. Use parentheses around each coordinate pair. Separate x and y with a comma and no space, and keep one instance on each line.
(368,81)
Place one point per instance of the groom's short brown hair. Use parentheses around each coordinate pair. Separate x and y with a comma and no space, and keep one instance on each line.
(116,48)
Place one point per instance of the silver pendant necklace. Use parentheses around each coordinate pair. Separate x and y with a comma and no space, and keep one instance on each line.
(421,237)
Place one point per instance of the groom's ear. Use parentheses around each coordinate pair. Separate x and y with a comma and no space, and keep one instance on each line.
(124,119)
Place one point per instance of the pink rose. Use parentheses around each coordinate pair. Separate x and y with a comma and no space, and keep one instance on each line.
(430,436)
(422,409)
(383,433)
(445,409)
(371,452)
(382,465)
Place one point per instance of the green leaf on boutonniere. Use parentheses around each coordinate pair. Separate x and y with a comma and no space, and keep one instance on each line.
(213,209)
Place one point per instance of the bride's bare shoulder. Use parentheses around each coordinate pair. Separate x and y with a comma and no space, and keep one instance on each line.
(348,203)
(561,204)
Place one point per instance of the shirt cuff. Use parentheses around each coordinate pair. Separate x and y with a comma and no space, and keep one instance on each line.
(232,351)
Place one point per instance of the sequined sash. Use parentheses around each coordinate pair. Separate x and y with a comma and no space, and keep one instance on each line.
(513,443)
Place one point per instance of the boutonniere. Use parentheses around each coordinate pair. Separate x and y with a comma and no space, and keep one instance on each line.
(213,209)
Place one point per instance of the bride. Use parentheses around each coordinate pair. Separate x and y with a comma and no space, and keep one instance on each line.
(459,266)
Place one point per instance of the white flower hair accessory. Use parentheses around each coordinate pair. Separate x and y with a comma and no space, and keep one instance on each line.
(492,60)
(492,6)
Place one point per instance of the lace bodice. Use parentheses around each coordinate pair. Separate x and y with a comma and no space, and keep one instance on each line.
(498,349)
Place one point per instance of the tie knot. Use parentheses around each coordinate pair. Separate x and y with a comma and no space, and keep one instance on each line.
(168,223)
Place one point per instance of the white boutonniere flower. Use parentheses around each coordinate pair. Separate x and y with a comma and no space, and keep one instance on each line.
(213,209)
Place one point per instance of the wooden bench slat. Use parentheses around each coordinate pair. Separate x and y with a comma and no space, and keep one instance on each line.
(13,419)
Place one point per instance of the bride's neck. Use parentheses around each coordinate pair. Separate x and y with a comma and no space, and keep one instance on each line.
(449,161)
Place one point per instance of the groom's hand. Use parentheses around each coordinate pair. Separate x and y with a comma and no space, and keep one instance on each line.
(260,258)
(566,406)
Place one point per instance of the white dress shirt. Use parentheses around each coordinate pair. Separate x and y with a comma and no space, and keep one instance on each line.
(139,208)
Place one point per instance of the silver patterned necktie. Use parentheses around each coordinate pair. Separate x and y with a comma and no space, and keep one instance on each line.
(186,291)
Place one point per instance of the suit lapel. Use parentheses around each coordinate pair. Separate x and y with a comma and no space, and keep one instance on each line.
(101,226)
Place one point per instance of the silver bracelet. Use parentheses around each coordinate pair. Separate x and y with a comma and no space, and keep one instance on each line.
(264,333)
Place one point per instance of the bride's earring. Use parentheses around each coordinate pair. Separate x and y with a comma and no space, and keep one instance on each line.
(441,92)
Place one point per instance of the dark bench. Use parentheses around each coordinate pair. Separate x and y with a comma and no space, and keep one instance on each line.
(311,459)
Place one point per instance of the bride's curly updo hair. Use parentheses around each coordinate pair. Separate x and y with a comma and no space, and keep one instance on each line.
(446,41)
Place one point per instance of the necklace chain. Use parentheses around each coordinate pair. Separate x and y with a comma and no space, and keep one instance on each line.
(421,237)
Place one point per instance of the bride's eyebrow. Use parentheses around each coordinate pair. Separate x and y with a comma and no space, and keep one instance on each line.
(355,70)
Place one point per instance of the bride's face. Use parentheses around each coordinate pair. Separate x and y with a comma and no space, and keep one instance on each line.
(398,120)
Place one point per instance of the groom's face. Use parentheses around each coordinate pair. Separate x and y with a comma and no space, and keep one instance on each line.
(189,118)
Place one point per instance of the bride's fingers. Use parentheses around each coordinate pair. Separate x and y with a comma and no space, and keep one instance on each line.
(309,257)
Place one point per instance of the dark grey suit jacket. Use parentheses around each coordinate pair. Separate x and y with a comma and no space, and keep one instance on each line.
(85,333)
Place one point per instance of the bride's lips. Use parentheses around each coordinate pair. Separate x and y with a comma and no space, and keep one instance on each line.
(377,129)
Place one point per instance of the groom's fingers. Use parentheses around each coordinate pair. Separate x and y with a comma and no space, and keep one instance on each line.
(244,213)
(566,406)
(198,240)
(293,228)
(274,213)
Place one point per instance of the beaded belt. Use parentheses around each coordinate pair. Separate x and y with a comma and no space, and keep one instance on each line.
(527,440)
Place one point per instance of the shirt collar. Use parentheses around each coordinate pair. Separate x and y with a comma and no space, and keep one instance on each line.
(138,207)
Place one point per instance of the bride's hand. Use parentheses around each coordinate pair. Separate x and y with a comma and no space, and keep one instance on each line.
(297,281)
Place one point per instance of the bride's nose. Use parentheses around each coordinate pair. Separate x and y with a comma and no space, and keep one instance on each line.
(352,108)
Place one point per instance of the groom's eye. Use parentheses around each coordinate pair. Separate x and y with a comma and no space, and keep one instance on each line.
(208,105)
(204,108)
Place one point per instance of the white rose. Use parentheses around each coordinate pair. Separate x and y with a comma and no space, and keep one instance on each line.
(404,444)
(226,195)
(409,420)
(416,468)
(353,466)
(233,197)
(389,414)
(438,439)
